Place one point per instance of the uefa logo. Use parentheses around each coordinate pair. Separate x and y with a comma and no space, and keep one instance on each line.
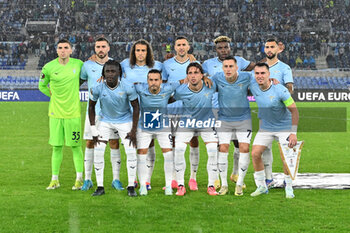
(152,120)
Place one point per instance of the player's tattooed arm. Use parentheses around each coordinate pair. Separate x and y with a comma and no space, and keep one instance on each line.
(135,119)
(92,116)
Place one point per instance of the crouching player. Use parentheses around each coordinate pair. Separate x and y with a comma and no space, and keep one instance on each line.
(154,96)
(279,120)
(115,117)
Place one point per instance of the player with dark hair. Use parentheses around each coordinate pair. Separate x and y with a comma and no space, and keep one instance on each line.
(116,116)
(234,113)
(279,118)
(214,65)
(174,70)
(197,108)
(135,69)
(154,96)
(62,74)
(91,71)
(283,73)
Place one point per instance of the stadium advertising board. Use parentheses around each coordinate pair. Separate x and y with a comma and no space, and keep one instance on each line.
(319,95)
(31,95)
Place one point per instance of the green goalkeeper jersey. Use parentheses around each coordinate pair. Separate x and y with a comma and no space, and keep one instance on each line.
(64,87)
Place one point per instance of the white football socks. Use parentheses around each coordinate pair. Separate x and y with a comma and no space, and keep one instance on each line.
(244,161)
(88,162)
(267,158)
(116,163)
(168,167)
(235,161)
(151,159)
(194,161)
(212,164)
(222,166)
(99,162)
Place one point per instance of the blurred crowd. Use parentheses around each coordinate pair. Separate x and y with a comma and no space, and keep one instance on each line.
(308,28)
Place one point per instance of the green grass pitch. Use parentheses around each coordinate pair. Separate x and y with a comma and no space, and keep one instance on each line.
(26,206)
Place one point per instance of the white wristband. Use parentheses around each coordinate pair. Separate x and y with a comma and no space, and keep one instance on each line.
(94,131)
(294,129)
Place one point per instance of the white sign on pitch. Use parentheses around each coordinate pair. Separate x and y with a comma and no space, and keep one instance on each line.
(291,157)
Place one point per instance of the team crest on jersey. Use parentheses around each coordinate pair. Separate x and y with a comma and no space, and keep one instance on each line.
(240,85)
(121,93)
(271,97)
(206,95)
(74,71)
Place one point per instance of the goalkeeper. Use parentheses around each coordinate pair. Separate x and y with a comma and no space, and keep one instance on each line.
(62,76)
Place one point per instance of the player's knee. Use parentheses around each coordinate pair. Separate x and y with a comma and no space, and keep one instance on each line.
(244,147)
(256,154)
(90,144)
(194,142)
(165,150)
(114,144)
(224,148)
(142,151)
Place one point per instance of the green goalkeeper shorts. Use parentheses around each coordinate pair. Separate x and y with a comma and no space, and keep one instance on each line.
(65,130)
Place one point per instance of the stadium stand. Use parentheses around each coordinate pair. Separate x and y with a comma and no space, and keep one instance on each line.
(314,39)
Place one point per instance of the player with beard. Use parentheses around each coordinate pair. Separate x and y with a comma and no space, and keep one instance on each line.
(91,71)
(135,69)
(197,108)
(174,69)
(283,73)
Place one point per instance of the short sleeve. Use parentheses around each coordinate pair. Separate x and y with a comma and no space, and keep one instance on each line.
(95,92)
(287,75)
(242,63)
(132,95)
(205,67)
(165,74)
(83,73)
(284,93)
